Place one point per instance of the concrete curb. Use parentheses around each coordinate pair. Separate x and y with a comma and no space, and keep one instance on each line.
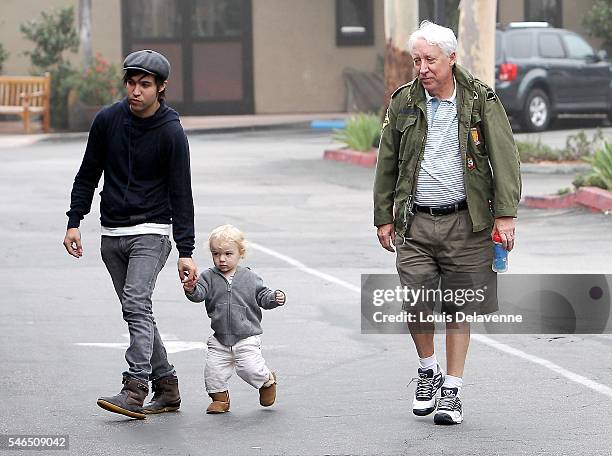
(554,168)
(592,198)
(354,157)
(10,141)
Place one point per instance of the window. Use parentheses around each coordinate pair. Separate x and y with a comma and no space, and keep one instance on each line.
(155,19)
(216,18)
(550,46)
(577,48)
(518,45)
(544,11)
(442,12)
(354,23)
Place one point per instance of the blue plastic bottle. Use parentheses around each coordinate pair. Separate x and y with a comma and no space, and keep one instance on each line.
(500,258)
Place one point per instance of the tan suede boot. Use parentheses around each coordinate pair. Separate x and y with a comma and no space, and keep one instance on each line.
(267,393)
(220,402)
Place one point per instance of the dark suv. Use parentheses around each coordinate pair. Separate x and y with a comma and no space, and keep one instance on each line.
(542,71)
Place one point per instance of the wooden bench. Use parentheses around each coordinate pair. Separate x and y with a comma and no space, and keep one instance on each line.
(26,95)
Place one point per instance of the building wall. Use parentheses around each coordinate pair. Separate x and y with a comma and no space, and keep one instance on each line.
(106,30)
(297,65)
(510,11)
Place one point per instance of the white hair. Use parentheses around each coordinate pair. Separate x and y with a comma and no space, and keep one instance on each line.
(435,35)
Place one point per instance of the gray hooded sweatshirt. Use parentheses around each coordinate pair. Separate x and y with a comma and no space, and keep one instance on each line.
(234,309)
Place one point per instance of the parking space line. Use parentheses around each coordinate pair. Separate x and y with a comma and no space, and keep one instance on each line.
(572,376)
(302,267)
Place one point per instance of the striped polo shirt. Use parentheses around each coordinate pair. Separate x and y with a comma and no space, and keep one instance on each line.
(440,178)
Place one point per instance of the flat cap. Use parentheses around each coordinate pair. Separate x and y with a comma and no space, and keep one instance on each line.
(148,61)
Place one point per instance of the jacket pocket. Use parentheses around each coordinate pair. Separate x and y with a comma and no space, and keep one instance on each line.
(402,123)
(239,321)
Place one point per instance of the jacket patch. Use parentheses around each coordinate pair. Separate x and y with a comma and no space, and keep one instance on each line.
(471,164)
(475,135)
(408,110)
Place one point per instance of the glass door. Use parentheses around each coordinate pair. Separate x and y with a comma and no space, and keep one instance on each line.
(209,45)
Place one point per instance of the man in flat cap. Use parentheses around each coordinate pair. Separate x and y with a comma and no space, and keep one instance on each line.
(139,145)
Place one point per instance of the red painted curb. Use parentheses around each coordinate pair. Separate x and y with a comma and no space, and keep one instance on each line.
(550,201)
(355,157)
(593,198)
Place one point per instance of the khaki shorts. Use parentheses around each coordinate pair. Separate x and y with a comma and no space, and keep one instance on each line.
(449,264)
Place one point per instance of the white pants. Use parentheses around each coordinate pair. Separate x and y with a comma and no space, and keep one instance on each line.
(245,356)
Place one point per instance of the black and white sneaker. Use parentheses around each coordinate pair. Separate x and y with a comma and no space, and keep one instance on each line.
(449,407)
(428,385)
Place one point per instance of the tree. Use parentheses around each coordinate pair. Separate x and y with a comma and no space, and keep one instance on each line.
(85,31)
(53,35)
(598,22)
(401,18)
(476,47)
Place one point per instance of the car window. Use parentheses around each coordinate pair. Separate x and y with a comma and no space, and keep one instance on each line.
(518,45)
(577,48)
(549,45)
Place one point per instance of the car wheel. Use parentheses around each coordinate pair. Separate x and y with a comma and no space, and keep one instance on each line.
(536,114)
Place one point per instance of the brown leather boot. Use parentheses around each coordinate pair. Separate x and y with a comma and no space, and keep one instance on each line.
(129,401)
(267,394)
(166,397)
(220,402)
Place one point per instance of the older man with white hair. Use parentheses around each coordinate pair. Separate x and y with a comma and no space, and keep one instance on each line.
(447,178)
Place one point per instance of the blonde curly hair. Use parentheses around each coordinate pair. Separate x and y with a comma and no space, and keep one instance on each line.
(226,234)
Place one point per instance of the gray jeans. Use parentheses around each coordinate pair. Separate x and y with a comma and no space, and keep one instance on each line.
(134,263)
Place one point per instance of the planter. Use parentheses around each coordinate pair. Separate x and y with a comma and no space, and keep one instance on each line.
(355,157)
(592,198)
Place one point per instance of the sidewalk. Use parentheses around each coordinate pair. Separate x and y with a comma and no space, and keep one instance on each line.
(12,135)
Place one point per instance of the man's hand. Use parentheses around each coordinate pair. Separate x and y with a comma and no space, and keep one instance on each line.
(505,226)
(280,297)
(386,236)
(188,272)
(72,242)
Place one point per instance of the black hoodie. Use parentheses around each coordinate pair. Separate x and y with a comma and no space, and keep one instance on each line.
(147,177)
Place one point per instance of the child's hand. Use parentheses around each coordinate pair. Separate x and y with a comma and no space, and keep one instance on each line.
(279,297)
(190,286)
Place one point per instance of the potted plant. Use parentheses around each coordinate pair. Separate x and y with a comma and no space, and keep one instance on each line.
(97,85)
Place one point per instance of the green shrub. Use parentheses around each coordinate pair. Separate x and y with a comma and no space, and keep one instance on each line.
(564,191)
(531,152)
(579,146)
(601,162)
(362,132)
(99,84)
(3,56)
(597,21)
(588,180)
(53,34)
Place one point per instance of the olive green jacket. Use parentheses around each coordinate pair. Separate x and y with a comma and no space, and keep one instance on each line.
(491,167)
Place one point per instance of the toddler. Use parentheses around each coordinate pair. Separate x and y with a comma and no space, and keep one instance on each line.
(234,296)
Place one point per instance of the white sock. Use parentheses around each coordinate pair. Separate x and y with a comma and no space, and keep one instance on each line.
(430,362)
(453,382)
